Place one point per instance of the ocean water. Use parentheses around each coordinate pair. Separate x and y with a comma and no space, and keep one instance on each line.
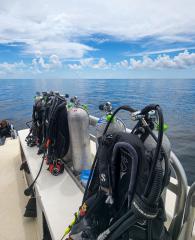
(176,97)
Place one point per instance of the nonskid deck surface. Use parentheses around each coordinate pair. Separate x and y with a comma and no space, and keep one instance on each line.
(13,226)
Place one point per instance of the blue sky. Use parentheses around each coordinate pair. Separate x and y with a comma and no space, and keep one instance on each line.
(97,39)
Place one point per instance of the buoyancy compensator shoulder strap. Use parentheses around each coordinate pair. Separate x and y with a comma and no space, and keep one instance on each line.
(125,158)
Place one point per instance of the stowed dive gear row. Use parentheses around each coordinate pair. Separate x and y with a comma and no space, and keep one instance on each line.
(122,199)
(50,132)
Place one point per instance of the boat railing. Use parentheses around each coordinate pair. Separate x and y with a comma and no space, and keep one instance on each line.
(189,216)
(179,187)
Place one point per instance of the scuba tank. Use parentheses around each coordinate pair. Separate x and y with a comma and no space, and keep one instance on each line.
(150,143)
(116,125)
(149,139)
(78,119)
(149,136)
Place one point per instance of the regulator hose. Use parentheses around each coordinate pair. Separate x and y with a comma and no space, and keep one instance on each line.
(108,232)
(158,145)
(166,160)
(154,194)
(27,123)
(28,191)
(125,107)
(129,222)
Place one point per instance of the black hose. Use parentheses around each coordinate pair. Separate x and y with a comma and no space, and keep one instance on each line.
(166,160)
(27,123)
(135,127)
(149,108)
(126,108)
(129,222)
(149,228)
(108,232)
(155,192)
(29,190)
(158,146)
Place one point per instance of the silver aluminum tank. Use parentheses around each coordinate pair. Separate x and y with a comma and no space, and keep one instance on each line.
(116,126)
(78,121)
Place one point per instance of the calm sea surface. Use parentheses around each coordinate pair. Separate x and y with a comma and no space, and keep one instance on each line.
(176,97)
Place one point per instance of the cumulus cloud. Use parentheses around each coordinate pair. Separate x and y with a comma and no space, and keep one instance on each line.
(90,63)
(180,61)
(55,61)
(101,64)
(55,27)
(124,64)
(86,62)
(74,66)
(39,63)
(7,68)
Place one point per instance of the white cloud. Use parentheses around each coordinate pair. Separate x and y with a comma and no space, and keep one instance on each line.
(55,27)
(180,61)
(6,68)
(101,64)
(170,50)
(74,66)
(42,63)
(39,63)
(55,61)
(86,62)
(124,63)
(58,47)
(91,63)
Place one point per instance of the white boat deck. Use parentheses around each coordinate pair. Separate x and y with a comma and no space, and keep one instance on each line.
(13,226)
